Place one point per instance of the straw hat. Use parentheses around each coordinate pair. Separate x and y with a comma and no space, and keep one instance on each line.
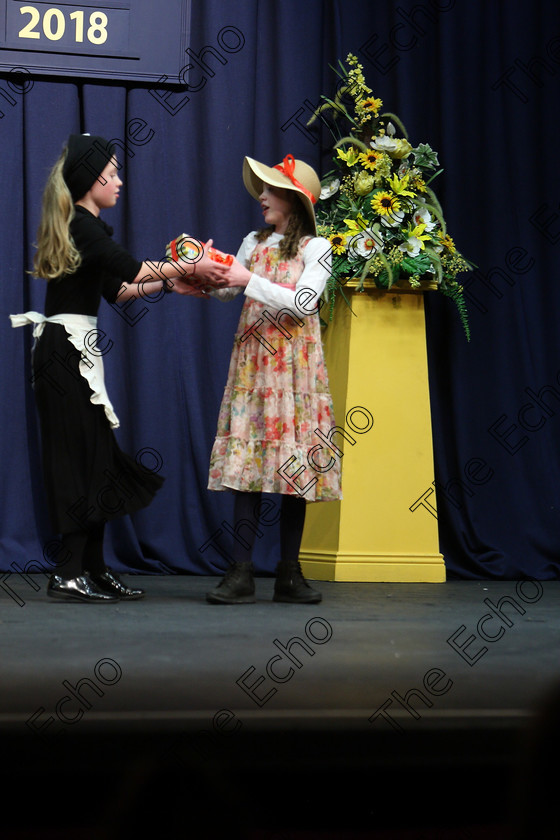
(291,174)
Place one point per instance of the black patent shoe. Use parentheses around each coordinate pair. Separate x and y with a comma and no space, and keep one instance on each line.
(236,587)
(290,586)
(79,588)
(108,582)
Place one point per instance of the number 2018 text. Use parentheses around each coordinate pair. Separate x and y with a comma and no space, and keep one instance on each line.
(54,25)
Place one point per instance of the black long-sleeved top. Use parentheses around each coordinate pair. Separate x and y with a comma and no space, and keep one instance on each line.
(105,266)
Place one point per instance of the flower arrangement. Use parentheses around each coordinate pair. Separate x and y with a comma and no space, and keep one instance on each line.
(376,208)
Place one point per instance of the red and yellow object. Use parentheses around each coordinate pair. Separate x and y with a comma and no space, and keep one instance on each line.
(188,248)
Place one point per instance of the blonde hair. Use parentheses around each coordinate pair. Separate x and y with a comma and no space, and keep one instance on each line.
(299,225)
(56,252)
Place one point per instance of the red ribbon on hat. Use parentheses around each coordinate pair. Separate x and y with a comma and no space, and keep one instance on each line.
(287,168)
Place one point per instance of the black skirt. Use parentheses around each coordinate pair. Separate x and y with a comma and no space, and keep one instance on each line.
(88,479)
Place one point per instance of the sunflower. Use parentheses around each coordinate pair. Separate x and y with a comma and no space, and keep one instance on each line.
(385,203)
(371,104)
(369,159)
(338,242)
(446,241)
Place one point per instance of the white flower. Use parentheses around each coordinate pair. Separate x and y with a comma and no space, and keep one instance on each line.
(412,246)
(393,219)
(365,244)
(383,144)
(330,189)
(403,169)
(422,216)
(391,129)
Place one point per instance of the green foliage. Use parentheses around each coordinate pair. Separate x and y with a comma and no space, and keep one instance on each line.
(377,208)
(455,293)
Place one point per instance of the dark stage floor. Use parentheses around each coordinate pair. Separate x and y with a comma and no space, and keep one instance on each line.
(368,715)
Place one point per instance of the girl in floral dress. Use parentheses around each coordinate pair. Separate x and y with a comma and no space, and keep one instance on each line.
(277,394)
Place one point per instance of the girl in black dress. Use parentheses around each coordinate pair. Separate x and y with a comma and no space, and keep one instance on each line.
(88,479)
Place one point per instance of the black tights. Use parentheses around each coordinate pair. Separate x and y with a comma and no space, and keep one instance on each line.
(83,552)
(292,520)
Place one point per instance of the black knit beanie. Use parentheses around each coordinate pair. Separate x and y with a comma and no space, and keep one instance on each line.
(87,157)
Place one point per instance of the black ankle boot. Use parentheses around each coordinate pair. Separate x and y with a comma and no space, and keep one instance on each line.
(291,587)
(236,587)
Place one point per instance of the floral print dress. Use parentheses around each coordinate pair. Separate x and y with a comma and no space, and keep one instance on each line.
(276,397)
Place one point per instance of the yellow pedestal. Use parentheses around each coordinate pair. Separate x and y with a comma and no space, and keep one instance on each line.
(377,361)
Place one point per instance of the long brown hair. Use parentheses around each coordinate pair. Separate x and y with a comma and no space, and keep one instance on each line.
(56,252)
(299,225)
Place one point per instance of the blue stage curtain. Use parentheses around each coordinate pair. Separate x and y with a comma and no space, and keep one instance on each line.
(477,81)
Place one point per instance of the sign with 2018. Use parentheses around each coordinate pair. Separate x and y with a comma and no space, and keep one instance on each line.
(106,39)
